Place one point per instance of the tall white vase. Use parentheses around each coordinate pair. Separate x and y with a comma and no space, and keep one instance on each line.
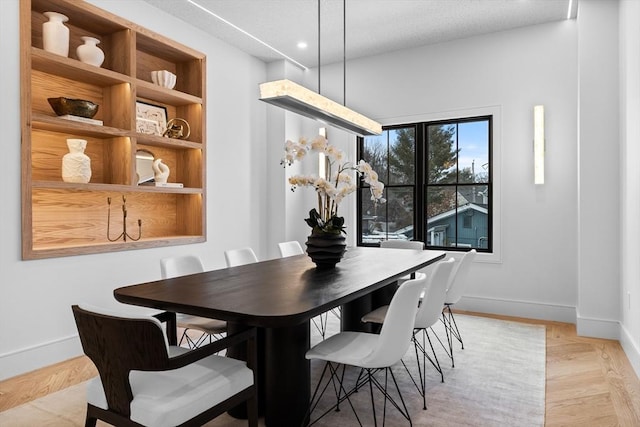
(76,166)
(55,35)
(89,53)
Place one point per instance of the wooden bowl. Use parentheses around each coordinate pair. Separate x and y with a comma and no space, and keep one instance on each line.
(74,107)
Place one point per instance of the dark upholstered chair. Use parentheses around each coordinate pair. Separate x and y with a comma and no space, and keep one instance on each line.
(145,382)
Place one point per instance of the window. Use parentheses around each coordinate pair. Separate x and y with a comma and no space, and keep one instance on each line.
(444,168)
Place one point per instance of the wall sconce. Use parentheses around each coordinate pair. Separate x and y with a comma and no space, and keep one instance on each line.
(538,144)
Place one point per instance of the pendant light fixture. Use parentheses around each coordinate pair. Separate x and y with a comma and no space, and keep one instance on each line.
(298,99)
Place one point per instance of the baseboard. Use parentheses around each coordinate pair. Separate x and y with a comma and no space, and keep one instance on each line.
(586,327)
(630,349)
(527,309)
(28,359)
(598,328)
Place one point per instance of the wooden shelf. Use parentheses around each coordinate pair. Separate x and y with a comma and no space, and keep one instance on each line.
(114,188)
(73,69)
(45,251)
(64,219)
(55,124)
(164,95)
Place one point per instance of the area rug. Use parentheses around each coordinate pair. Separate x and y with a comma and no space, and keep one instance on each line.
(498,380)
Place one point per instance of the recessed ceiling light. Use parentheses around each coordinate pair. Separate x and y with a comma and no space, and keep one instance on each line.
(302,45)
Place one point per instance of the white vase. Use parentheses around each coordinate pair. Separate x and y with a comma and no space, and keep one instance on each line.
(55,35)
(89,53)
(76,166)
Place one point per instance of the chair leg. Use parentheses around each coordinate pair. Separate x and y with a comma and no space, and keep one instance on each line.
(406,411)
(373,405)
(91,419)
(421,349)
(338,388)
(252,410)
(435,362)
(182,337)
(451,329)
(455,331)
(366,376)
(387,397)
(320,322)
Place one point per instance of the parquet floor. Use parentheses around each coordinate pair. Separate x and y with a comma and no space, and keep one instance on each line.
(590,382)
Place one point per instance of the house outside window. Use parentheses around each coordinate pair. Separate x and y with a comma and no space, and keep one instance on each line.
(438,178)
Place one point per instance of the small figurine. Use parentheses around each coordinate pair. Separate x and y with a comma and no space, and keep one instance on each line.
(160,171)
(177,128)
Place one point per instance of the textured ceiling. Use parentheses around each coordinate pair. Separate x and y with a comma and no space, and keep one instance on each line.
(372,26)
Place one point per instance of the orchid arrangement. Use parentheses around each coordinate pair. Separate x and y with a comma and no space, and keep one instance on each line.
(333,188)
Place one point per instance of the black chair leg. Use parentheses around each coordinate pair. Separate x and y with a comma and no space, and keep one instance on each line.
(91,419)
(452,331)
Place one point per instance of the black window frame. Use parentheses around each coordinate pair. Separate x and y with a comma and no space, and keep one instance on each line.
(421,185)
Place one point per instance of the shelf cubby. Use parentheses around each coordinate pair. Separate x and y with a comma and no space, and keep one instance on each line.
(65,219)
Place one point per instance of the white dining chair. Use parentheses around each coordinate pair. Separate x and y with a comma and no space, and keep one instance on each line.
(428,315)
(241,256)
(370,352)
(404,244)
(291,248)
(208,328)
(455,289)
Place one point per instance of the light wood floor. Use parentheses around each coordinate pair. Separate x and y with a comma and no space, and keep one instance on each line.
(590,382)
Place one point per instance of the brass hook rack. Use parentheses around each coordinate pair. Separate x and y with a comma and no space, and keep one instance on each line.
(124,235)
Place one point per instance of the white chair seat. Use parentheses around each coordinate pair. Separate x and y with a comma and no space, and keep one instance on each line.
(376,316)
(210,326)
(169,398)
(351,348)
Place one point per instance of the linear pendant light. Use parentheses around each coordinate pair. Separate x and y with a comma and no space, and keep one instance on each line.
(293,97)
(298,99)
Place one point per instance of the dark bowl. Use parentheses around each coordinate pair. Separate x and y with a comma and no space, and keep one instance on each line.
(75,107)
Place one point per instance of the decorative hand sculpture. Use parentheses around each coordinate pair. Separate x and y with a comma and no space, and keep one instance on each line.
(160,171)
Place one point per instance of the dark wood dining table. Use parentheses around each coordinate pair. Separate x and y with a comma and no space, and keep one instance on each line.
(279,297)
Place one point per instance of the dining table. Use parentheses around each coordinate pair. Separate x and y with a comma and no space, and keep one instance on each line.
(279,297)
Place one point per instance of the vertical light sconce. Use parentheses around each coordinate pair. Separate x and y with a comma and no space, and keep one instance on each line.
(322,159)
(538,143)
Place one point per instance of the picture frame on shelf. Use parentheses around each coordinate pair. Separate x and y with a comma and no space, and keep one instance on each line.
(150,119)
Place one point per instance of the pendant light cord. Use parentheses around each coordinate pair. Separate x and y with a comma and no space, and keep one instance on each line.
(344,51)
(319,47)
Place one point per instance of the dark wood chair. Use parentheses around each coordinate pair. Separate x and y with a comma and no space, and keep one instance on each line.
(144,381)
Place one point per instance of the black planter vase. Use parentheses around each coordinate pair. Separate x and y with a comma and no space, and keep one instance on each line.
(326,249)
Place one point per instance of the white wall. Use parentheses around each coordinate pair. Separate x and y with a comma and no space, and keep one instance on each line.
(598,304)
(36,324)
(508,72)
(630,180)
